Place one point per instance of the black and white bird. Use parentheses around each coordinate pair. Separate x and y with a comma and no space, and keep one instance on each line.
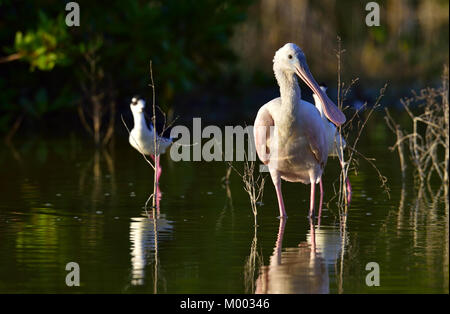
(142,136)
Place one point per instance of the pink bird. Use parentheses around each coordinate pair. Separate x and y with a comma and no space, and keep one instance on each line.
(290,136)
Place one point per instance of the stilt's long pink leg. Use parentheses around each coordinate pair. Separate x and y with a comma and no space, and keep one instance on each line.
(321,200)
(277,183)
(158,168)
(158,174)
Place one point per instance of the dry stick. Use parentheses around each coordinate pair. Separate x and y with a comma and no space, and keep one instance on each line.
(399,134)
(249,187)
(344,170)
(353,148)
(254,188)
(346,164)
(14,128)
(112,115)
(155,192)
(382,178)
(110,131)
(155,233)
(255,191)
(95,97)
(165,125)
(12,57)
(140,150)
(339,53)
(83,119)
(341,98)
(424,148)
(226,178)
(444,95)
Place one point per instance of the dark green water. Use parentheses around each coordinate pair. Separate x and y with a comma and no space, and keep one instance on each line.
(62,201)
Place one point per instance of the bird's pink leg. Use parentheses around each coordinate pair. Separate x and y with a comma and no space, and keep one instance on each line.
(158,168)
(277,183)
(321,200)
(158,174)
(311,199)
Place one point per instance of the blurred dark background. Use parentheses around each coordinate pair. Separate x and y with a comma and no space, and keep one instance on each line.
(210,58)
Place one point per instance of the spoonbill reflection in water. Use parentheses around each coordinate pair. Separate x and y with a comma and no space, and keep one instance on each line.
(302,269)
(142,137)
(297,149)
(335,140)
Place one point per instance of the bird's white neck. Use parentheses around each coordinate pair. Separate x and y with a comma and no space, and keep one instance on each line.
(139,120)
(289,90)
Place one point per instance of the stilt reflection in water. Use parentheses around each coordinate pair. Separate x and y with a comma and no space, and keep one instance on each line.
(145,235)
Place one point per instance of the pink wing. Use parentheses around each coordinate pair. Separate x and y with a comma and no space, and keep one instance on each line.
(262,126)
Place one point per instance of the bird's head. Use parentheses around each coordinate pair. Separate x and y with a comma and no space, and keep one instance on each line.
(137,104)
(291,60)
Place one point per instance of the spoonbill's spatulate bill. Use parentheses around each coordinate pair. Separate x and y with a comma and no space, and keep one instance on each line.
(142,137)
(290,136)
(335,140)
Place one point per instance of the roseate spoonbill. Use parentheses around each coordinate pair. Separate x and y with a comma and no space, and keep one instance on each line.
(335,140)
(142,137)
(290,136)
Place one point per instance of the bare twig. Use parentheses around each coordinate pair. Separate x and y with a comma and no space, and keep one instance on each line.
(137,144)
(354,125)
(157,153)
(253,186)
(429,139)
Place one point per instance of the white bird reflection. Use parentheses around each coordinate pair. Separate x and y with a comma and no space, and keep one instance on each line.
(302,269)
(145,235)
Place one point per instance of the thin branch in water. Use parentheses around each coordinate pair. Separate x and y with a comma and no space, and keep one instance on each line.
(355,123)
(137,144)
(429,139)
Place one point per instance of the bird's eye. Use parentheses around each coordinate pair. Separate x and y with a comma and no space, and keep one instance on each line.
(290,56)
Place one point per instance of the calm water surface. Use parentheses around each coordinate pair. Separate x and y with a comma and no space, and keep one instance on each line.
(62,201)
